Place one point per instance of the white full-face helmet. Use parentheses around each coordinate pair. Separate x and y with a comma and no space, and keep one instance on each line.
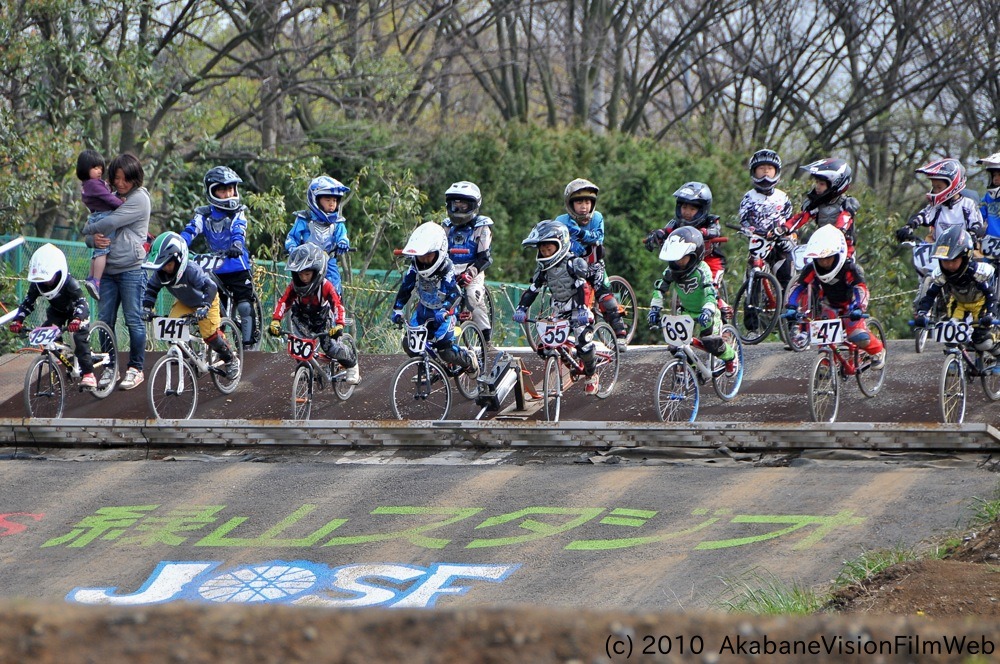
(425,239)
(827,241)
(48,270)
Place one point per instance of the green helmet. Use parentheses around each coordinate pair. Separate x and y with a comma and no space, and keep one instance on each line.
(166,247)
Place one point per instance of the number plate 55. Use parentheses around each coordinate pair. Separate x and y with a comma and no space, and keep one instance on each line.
(553,333)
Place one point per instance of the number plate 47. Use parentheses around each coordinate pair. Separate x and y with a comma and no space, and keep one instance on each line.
(825,332)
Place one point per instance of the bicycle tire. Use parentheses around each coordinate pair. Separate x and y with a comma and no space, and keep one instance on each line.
(103,349)
(419,393)
(824,389)
(989,380)
(552,388)
(341,388)
(625,295)
(302,392)
(473,341)
(870,381)
(726,385)
(172,389)
(608,359)
(952,392)
(759,297)
(677,396)
(44,388)
(231,332)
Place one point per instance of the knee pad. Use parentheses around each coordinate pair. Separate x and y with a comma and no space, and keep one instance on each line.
(982,339)
(860,338)
(340,352)
(609,305)
(245,309)
(713,344)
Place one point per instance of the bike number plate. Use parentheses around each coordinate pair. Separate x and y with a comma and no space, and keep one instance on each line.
(553,333)
(302,350)
(952,332)
(416,339)
(825,332)
(677,330)
(760,246)
(991,246)
(208,262)
(171,329)
(43,336)
(922,258)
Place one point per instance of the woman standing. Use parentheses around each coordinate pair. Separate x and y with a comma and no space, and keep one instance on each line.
(123,282)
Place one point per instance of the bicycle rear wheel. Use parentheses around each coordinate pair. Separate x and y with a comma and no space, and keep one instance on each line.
(952,392)
(103,353)
(871,380)
(421,391)
(172,389)
(232,333)
(756,309)
(44,388)
(989,379)
(341,387)
(824,389)
(727,384)
(625,295)
(677,393)
(608,359)
(302,393)
(472,341)
(552,388)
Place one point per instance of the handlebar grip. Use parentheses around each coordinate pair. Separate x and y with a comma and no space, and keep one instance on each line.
(459,251)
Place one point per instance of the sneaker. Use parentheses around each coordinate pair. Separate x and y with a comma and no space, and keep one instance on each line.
(800,340)
(592,384)
(750,319)
(88,381)
(473,369)
(93,287)
(233,368)
(727,313)
(622,344)
(353,375)
(878,360)
(133,378)
(108,377)
(731,367)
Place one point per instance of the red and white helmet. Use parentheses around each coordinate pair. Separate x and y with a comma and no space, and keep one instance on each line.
(949,170)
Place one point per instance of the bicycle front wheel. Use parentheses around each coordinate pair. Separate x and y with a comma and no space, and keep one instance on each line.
(229,330)
(625,295)
(824,389)
(953,390)
(341,387)
(103,353)
(473,342)
(421,391)
(172,389)
(677,393)
(871,380)
(608,359)
(757,305)
(302,393)
(44,388)
(552,389)
(727,383)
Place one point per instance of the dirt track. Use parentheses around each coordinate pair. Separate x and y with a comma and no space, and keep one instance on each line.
(774,390)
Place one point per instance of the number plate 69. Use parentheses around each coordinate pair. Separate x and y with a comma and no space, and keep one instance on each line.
(677,330)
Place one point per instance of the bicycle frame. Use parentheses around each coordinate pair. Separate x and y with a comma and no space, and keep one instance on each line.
(65,354)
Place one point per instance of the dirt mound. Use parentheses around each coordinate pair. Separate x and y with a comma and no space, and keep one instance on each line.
(964,583)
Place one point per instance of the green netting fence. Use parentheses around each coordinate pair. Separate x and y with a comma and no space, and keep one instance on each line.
(368,298)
